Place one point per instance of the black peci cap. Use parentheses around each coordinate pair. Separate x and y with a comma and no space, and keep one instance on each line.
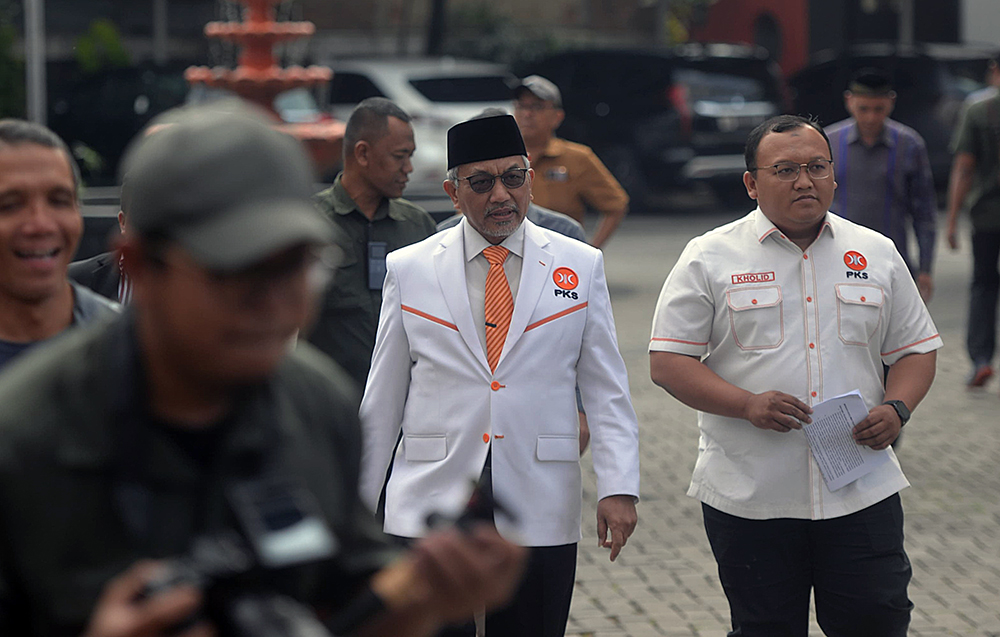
(483,139)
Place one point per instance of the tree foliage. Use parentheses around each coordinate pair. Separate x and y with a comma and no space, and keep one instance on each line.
(12,96)
(101,47)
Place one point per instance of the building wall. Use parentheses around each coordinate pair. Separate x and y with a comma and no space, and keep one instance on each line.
(781,26)
(981,21)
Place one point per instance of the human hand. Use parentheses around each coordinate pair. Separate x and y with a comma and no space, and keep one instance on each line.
(952,236)
(879,428)
(925,284)
(777,411)
(451,575)
(615,513)
(122,611)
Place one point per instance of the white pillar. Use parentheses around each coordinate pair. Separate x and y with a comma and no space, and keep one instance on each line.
(161,54)
(35,58)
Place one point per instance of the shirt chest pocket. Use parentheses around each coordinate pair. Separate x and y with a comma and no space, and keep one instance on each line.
(859,311)
(349,288)
(756,317)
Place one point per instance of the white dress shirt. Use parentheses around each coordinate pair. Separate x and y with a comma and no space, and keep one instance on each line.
(764,315)
(477,267)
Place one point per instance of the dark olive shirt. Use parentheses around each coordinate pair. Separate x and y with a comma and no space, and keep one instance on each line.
(348,316)
(978,133)
(76,509)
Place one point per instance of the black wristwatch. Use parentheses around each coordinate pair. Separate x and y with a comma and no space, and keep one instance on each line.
(901,410)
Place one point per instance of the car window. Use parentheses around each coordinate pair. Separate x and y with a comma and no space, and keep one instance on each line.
(296,106)
(484,88)
(721,87)
(351,88)
(749,78)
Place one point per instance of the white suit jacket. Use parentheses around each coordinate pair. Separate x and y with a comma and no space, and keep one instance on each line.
(429,377)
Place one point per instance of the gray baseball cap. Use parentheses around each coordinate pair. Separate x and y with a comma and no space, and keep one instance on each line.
(225,185)
(541,88)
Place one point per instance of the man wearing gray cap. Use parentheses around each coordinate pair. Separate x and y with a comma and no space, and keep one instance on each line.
(486,329)
(569,176)
(189,422)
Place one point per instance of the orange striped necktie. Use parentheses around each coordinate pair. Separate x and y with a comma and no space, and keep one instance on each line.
(499,304)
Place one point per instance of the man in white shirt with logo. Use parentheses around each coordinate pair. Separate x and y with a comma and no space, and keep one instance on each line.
(759,320)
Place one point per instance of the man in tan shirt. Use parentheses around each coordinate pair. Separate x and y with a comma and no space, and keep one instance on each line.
(569,177)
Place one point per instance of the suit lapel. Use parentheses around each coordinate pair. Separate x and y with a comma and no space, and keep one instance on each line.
(449,264)
(536,268)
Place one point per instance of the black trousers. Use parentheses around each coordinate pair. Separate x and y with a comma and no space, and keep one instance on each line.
(981,338)
(541,606)
(854,565)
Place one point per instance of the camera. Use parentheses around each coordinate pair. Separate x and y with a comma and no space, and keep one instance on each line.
(281,527)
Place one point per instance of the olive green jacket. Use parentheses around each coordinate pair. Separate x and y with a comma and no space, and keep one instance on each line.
(348,316)
(67,524)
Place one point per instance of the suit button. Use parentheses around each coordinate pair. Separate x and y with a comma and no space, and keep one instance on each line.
(486,438)
(495,386)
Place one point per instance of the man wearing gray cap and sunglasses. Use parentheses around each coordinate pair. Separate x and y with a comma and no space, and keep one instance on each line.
(486,330)
(146,437)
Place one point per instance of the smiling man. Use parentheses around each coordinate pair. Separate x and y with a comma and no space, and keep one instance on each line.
(486,330)
(40,228)
(759,320)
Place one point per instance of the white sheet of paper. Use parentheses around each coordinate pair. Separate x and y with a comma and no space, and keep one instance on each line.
(840,458)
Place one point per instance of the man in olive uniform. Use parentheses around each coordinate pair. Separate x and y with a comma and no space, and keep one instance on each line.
(365,204)
(127,441)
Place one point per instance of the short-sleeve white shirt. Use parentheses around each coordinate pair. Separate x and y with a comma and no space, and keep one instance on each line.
(764,315)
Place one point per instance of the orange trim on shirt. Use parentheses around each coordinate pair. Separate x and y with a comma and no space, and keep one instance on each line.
(677,340)
(929,338)
(555,316)
(407,308)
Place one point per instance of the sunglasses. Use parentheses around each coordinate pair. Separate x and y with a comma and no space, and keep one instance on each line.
(483,183)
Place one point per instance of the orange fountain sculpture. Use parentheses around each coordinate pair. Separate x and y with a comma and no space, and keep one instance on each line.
(258,78)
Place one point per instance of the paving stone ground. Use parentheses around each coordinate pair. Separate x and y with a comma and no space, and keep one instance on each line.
(665,582)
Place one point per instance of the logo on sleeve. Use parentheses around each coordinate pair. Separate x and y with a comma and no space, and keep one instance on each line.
(566,280)
(857,263)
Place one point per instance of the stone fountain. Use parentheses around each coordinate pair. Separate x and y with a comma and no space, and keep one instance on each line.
(259,79)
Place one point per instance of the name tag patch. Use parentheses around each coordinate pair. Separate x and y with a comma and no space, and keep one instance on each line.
(753,277)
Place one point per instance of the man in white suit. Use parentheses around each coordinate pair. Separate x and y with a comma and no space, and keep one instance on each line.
(484,396)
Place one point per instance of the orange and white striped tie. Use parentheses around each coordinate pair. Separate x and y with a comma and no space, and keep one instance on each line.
(499,304)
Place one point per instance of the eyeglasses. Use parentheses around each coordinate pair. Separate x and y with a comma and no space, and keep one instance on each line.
(789,171)
(482,183)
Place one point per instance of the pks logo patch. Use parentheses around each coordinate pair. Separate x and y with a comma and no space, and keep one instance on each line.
(565,278)
(855,260)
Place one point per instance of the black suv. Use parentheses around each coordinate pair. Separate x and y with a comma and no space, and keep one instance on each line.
(666,118)
(104,111)
(931,82)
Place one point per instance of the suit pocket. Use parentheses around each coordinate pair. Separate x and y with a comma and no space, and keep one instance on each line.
(756,317)
(558,448)
(425,448)
(859,310)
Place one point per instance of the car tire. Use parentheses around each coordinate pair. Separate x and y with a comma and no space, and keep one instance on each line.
(627,169)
